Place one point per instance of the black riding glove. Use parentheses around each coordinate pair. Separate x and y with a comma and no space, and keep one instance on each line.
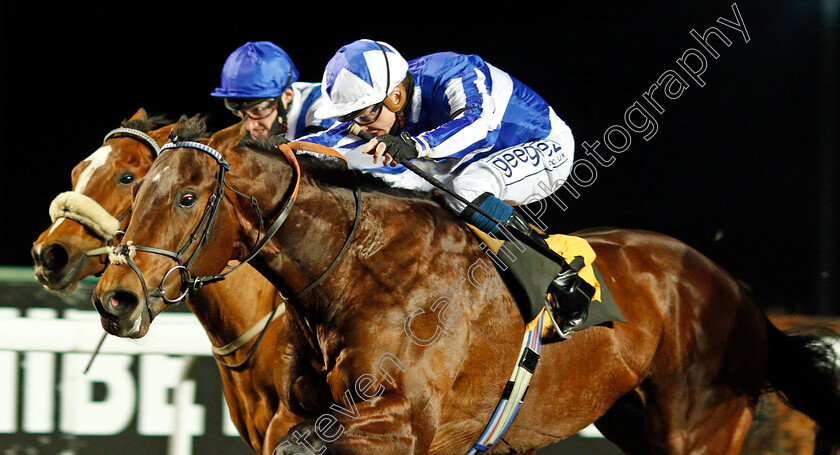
(401,148)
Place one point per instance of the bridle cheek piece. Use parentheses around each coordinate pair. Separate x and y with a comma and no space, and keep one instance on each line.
(124,252)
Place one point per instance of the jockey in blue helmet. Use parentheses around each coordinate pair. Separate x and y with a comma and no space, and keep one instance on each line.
(259,84)
(484,134)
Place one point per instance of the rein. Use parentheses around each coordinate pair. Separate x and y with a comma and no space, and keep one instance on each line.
(124,253)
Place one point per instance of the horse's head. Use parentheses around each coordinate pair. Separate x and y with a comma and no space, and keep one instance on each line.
(88,217)
(179,229)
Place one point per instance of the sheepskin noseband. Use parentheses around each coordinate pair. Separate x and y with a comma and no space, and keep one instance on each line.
(83,209)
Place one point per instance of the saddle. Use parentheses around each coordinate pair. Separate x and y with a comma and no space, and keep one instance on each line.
(527,273)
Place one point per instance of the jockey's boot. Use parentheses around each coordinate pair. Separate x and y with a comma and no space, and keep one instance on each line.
(568,301)
(568,295)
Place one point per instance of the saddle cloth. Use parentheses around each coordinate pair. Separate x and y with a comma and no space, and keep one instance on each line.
(528,274)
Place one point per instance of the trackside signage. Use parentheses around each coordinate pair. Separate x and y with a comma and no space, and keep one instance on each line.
(158,395)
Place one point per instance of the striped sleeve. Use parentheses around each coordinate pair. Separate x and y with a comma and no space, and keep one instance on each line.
(473,124)
(335,136)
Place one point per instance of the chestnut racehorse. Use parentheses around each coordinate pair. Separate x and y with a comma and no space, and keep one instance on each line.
(402,342)
(226,309)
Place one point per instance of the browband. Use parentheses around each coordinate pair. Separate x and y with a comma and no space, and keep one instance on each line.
(198,146)
(138,134)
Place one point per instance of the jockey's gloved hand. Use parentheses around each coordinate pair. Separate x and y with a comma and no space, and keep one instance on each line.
(401,148)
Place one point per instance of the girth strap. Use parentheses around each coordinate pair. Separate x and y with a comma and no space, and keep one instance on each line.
(514,393)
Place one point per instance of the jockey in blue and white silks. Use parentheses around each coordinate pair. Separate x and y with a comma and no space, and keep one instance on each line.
(482,133)
(474,126)
(259,84)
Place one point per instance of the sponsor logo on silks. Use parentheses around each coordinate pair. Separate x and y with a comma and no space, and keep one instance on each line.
(532,153)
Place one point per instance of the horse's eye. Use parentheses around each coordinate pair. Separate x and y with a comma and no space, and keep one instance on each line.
(187,200)
(126,179)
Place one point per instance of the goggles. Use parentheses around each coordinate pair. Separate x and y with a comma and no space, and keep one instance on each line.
(364,116)
(250,108)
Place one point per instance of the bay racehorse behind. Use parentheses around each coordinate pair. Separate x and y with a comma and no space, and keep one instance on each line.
(779,429)
(402,337)
(88,218)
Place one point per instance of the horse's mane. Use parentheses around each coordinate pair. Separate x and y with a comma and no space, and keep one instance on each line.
(329,171)
(147,124)
(324,171)
(192,129)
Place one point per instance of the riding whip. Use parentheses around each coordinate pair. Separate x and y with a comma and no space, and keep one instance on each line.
(357,130)
(95,352)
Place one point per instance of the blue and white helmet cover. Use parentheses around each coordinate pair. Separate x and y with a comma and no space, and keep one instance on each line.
(256,70)
(357,77)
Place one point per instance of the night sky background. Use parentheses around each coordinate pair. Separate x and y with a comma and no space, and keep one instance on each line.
(736,168)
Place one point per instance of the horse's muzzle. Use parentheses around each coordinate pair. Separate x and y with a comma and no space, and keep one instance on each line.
(119,312)
(55,268)
(52,257)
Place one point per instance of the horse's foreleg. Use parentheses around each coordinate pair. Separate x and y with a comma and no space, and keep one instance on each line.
(624,424)
(379,426)
(277,428)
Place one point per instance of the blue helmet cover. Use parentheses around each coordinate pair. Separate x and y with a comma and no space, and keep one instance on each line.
(256,70)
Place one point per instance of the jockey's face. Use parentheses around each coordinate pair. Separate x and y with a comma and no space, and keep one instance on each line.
(260,126)
(260,118)
(383,124)
(387,117)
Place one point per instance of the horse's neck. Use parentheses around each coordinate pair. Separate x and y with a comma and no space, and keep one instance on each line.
(318,226)
(394,230)
(309,240)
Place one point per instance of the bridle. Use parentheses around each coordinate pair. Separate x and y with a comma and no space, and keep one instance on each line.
(136,134)
(125,252)
(90,213)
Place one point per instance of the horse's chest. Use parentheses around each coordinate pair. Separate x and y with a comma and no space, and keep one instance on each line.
(309,391)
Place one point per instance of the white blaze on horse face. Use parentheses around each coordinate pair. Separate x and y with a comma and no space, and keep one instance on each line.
(157,176)
(55,225)
(97,159)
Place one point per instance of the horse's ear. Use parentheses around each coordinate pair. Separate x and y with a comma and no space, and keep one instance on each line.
(139,115)
(230,135)
(180,124)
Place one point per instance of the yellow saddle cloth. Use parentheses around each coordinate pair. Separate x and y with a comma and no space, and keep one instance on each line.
(570,247)
(567,246)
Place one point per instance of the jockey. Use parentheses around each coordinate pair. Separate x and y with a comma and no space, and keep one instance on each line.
(259,84)
(484,134)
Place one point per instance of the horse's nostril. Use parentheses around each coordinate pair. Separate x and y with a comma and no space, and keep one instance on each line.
(121,301)
(54,257)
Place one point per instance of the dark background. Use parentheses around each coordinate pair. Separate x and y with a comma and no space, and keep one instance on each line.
(736,169)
